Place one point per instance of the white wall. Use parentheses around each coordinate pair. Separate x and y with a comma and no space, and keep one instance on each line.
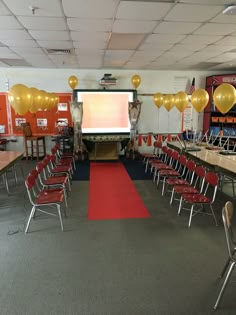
(151,118)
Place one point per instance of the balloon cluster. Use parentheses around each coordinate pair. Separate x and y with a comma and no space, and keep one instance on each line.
(224,98)
(23,99)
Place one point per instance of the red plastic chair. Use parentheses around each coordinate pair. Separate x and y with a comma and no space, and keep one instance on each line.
(201,199)
(41,200)
(168,164)
(55,169)
(195,188)
(178,172)
(148,158)
(62,160)
(186,178)
(47,180)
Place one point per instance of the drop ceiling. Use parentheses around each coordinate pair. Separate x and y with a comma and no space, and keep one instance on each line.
(102,34)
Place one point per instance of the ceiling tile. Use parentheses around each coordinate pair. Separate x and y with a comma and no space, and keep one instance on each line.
(14,34)
(125,41)
(226,41)
(89,25)
(130,10)
(43,23)
(224,57)
(224,18)
(16,62)
(19,43)
(149,53)
(89,8)
(83,36)
(27,50)
(193,13)
(87,44)
(201,39)
(176,27)
(167,38)
(89,52)
(45,7)
(187,47)
(50,35)
(9,23)
(216,29)
(5,52)
(155,46)
(119,53)
(53,44)
(131,26)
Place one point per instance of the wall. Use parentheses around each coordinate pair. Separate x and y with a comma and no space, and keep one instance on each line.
(151,119)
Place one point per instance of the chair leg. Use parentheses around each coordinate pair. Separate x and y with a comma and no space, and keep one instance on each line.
(163,186)
(224,285)
(59,214)
(30,218)
(213,213)
(180,205)
(172,196)
(225,268)
(190,217)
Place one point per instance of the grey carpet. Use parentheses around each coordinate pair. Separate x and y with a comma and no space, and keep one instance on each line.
(138,266)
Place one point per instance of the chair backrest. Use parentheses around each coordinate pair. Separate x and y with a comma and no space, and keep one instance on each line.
(27,132)
(200,173)
(227,216)
(211,179)
(190,170)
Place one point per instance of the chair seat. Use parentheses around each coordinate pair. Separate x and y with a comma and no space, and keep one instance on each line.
(177,181)
(61,168)
(152,162)
(53,180)
(47,198)
(160,166)
(148,155)
(168,172)
(196,198)
(185,189)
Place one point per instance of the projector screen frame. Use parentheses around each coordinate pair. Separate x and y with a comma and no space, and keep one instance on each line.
(133,91)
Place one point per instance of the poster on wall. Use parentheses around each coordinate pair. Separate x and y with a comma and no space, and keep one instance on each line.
(42,122)
(187,118)
(20,121)
(62,107)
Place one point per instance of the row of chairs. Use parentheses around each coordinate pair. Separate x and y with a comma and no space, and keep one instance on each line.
(48,185)
(182,177)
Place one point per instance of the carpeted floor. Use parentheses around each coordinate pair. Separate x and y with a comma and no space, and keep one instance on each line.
(154,266)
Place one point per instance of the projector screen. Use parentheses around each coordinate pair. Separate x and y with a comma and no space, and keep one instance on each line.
(105,111)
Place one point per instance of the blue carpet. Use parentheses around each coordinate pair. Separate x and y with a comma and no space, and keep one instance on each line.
(135,169)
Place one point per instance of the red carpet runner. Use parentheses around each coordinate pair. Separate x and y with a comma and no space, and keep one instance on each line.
(112,194)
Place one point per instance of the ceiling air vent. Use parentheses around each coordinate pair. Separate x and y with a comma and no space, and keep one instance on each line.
(59,51)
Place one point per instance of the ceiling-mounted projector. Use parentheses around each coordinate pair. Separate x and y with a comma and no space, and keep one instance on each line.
(108,80)
(231,10)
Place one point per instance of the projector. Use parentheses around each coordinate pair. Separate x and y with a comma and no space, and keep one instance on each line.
(231,10)
(108,80)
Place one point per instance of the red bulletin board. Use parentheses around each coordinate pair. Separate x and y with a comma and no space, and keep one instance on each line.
(52,116)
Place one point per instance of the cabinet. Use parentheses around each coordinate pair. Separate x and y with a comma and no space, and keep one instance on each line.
(214,121)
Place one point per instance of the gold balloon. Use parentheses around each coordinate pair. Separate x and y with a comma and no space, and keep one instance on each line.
(199,99)
(158,99)
(181,101)
(73,81)
(224,97)
(135,80)
(33,108)
(20,98)
(168,101)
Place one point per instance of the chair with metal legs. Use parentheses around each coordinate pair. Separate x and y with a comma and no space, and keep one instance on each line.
(227,216)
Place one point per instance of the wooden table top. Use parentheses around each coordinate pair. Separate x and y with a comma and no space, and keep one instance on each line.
(8,158)
(211,157)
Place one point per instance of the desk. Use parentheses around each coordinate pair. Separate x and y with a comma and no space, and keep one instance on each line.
(8,159)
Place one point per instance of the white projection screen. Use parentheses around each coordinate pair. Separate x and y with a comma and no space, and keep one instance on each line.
(105,111)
